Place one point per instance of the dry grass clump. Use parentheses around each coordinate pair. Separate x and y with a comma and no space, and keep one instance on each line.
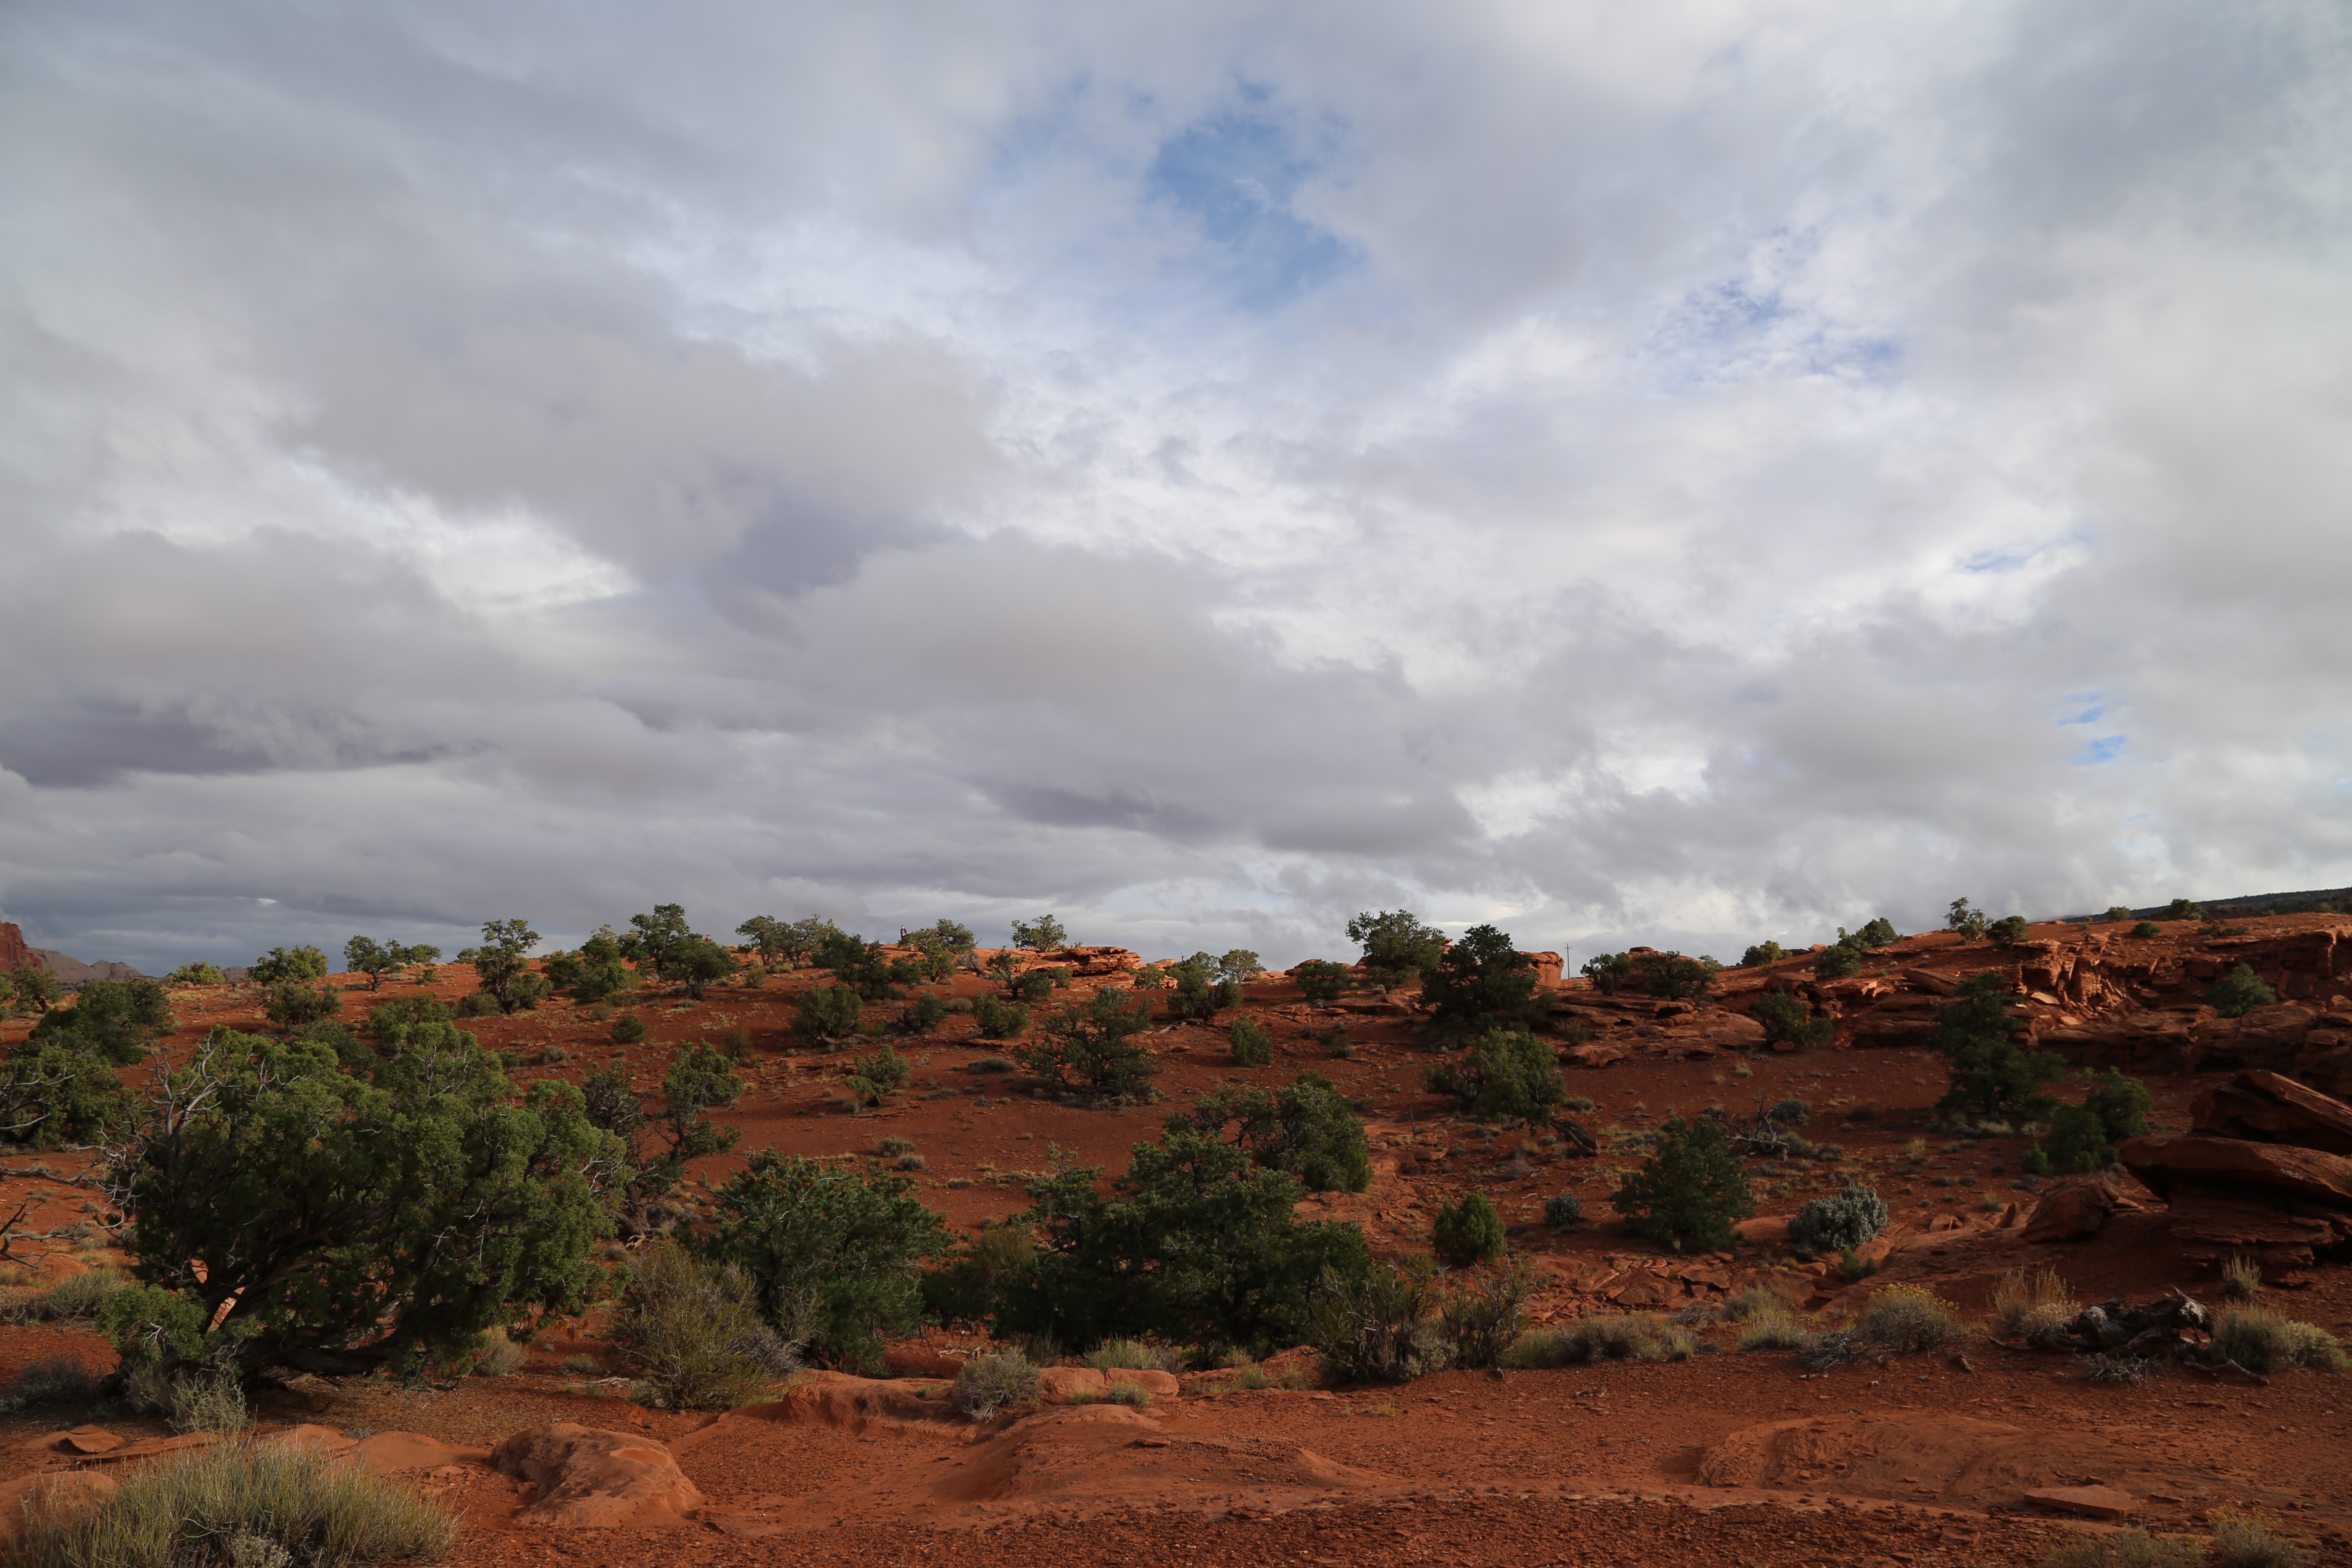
(250,1508)
(2241,1279)
(1134,1356)
(498,1357)
(2263,1342)
(2028,1301)
(987,1384)
(1903,1319)
(693,1330)
(2121,1549)
(1605,1336)
(2244,1538)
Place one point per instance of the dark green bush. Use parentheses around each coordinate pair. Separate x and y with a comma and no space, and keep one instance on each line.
(502,965)
(2148,929)
(1689,1192)
(2240,992)
(1786,1017)
(827,1015)
(1507,1075)
(996,1021)
(1467,1233)
(1563,1209)
(1791,1114)
(1322,982)
(1673,977)
(1991,1075)
(1483,983)
(1196,1243)
(1091,1049)
(1252,1046)
(2116,913)
(2009,931)
(875,1078)
(280,964)
(1966,919)
(976,1277)
(112,1020)
(189,975)
(1309,1130)
(660,1145)
(1043,934)
(1398,949)
(291,1213)
(992,1382)
(1835,962)
(834,1253)
(627,1029)
(924,1013)
(292,1006)
(1762,952)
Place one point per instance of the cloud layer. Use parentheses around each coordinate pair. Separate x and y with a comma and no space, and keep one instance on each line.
(1675,473)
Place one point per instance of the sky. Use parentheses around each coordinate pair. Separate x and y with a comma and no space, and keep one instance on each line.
(1683,473)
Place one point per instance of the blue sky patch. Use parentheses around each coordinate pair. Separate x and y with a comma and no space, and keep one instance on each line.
(1234,176)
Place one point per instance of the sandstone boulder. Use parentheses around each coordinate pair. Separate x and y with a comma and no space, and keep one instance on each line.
(2264,1108)
(2233,1164)
(2092,1502)
(1070,1384)
(2074,1211)
(584,1477)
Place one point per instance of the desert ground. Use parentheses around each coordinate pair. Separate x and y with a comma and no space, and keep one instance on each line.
(1722,1457)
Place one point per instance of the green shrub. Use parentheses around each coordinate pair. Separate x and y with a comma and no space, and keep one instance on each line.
(248,1506)
(500,1356)
(927,1012)
(1036,986)
(1991,1075)
(2009,931)
(1563,1209)
(988,1383)
(997,1021)
(57,1091)
(196,975)
(1322,982)
(2240,992)
(1605,1336)
(894,1145)
(1127,1391)
(2115,914)
(1850,1220)
(1043,934)
(84,1295)
(1482,983)
(478,1005)
(1252,1046)
(1308,1129)
(877,1077)
(1903,1319)
(2148,929)
(281,964)
(1467,1233)
(834,1254)
(1091,1049)
(977,1275)
(1688,1193)
(1786,1017)
(827,1015)
(1791,1114)
(1398,949)
(2266,1344)
(362,1220)
(1835,962)
(1772,1327)
(1966,919)
(207,1401)
(1509,1076)
(1670,976)
(1196,1243)
(1761,953)
(1379,1326)
(692,1330)
(113,1020)
(1484,1310)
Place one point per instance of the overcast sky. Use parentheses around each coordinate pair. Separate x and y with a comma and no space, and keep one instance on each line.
(1670,473)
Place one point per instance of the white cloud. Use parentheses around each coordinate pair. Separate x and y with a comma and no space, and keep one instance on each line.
(1658,472)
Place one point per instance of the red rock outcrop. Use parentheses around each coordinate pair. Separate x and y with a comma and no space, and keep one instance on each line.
(2265,1108)
(2076,1211)
(588,1478)
(15,953)
(2272,1201)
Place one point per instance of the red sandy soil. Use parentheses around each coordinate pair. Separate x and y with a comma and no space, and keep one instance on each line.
(1919,1460)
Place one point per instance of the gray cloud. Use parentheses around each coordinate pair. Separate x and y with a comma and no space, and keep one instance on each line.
(1649,474)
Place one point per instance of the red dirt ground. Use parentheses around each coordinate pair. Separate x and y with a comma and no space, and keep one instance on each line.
(1920,1460)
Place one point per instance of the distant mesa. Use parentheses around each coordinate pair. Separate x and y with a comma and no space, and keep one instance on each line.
(72,973)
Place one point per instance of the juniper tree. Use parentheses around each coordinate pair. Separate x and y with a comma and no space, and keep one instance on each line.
(1689,1192)
(1398,949)
(1483,983)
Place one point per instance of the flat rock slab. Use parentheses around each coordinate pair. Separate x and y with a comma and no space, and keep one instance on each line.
(2095,1502)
